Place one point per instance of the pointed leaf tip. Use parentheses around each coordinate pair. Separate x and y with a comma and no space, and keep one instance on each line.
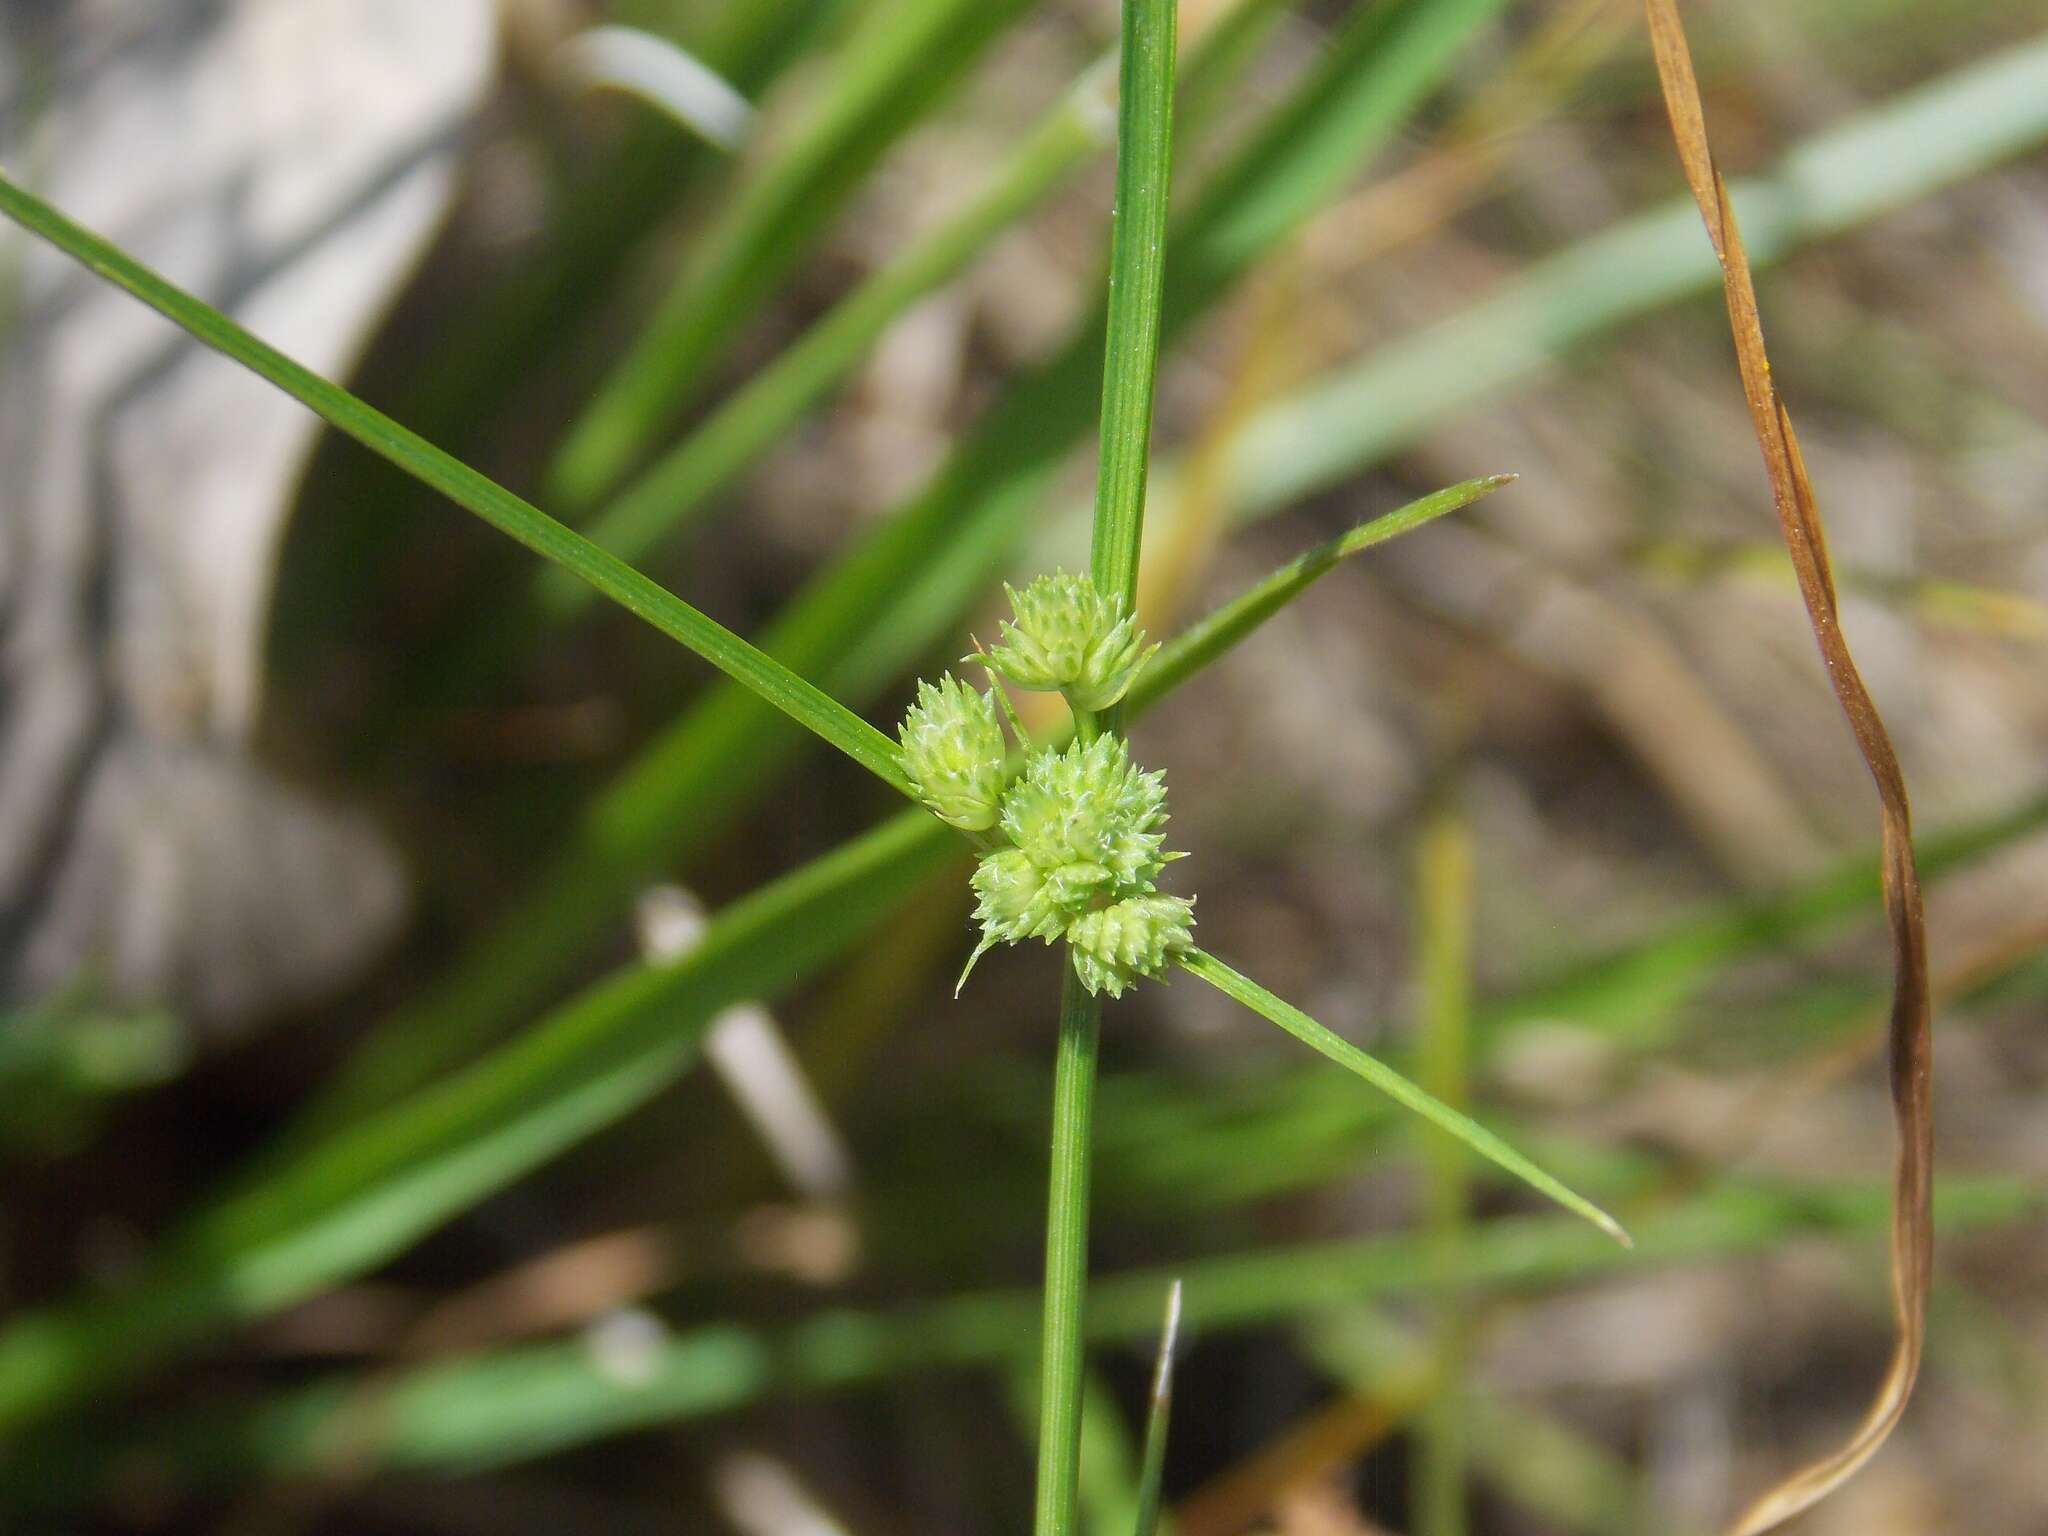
(1169,1340)
(1409,1095)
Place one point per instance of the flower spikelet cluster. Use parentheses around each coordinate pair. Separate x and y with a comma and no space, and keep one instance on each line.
(1068,637)
(1081,827)
(1084,828)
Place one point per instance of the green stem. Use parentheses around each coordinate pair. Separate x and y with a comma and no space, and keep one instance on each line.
(1137,268)
(1137,248)
(1066,1258)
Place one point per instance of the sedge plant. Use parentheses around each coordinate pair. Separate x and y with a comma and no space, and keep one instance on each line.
(1068,831)
(1078,830)
(1070,843)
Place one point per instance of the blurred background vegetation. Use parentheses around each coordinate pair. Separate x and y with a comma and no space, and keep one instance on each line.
(1548,800)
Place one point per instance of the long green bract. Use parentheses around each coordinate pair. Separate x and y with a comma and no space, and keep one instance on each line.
(1400,1089)
(744,663)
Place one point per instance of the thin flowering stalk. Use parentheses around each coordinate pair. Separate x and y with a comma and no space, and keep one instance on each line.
(1066,1259)
(1136,279)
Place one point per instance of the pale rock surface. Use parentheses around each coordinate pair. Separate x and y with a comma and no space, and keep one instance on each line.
(287,162)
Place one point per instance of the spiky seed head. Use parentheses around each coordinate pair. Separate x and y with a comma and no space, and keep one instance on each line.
(1137,936)
(1057,618)
(953,753)
(1067,637)
(1089,805)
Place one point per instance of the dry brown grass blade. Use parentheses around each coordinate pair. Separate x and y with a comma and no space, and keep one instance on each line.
(1911,1065)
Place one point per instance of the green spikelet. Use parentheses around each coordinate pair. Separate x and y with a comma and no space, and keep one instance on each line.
(1090,804)
(953,753)
(1134,937)
(1068,638)
(1016,900)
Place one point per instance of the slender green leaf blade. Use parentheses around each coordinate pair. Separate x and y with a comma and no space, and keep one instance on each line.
(743,662)
(1394,1085)
(1905,149)
(349,1203)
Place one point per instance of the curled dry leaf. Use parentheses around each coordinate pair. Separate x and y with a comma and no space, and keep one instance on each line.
(1911,1066)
